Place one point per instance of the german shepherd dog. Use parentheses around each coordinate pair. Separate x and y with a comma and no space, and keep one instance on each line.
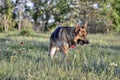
(64,37)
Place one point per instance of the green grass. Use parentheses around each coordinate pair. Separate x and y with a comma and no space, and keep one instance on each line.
(26,58)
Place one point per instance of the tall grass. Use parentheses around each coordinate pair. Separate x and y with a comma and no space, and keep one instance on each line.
(26,58)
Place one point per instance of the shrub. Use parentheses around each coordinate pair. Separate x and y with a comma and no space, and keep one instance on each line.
(26,32)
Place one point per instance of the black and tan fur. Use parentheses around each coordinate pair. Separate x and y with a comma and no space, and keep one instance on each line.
(64,37)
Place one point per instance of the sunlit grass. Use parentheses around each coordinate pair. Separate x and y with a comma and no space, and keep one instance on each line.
(26,58)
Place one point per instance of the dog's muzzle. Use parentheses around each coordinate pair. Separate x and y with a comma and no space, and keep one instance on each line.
(83,42)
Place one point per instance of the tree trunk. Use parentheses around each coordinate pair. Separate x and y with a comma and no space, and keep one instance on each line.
(46,23)
(46,26)
(20,14)
(5,24)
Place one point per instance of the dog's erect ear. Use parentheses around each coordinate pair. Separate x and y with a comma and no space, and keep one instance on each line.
(77,28)
(85,25)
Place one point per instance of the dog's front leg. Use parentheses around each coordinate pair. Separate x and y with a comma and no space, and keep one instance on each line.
(64,52)
(64,57)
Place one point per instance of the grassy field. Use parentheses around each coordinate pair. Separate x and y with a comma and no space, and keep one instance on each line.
(26,58)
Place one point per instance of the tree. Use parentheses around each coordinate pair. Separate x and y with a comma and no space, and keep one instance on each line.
(45,9)
(6,14)
(115,14)
(21,13)
(97,13)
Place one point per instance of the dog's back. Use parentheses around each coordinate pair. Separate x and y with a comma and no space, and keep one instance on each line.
(61,33)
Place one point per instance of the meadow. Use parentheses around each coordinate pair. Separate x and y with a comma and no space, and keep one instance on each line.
(26,58)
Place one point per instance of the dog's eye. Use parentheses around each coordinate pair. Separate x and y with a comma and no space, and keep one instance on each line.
(82,35)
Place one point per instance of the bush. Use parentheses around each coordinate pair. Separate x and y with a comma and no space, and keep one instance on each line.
(1,28)
(27,28)
(27,32)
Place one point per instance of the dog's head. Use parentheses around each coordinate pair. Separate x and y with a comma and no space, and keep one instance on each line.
(81,34)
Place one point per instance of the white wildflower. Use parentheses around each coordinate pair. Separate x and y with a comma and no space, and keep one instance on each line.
(113,64)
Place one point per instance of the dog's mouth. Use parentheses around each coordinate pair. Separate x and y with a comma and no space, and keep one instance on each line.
(83,42)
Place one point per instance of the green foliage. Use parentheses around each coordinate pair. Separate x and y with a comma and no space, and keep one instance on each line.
(27,32)
(103,19)
(1,28)
(114,14)
(58,9)
(6,15)
(52,27)
(26,28)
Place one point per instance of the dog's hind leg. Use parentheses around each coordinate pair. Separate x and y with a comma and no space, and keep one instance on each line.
(52,49)
(52,53)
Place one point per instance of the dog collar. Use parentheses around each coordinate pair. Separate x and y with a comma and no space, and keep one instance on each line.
(73,46)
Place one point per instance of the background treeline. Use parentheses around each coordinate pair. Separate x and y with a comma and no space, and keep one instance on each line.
(44,15)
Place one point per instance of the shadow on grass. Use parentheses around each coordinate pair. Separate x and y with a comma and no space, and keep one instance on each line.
(115,48)
(40,35)
(5,39)
(10,76)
